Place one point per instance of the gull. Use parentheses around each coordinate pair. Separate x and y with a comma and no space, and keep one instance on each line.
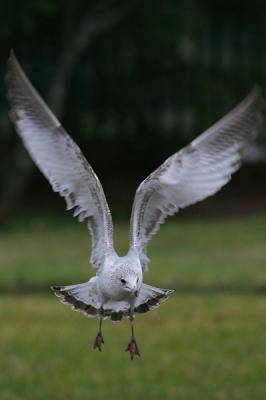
(190,175)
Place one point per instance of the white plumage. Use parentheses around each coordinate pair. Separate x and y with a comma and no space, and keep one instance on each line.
(195,172)
(188,176)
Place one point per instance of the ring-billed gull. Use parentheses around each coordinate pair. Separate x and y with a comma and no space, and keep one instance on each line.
(188,176)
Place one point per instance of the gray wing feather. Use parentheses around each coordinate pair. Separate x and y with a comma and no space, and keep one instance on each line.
(59,159)
(195,172)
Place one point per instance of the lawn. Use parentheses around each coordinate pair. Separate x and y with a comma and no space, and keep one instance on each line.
(206,342)
(189,254)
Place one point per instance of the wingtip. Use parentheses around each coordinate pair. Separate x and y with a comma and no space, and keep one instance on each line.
(12,56)
(12,63)
(256,91)
(12,66)
(255,97)
(168,292)
(55,288)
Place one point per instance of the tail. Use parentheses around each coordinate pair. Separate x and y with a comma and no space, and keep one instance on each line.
(84,297)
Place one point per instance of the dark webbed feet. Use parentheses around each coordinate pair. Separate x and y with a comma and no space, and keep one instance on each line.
(133,349)
(98,342)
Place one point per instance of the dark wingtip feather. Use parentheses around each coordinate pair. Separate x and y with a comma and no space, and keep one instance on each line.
(10,80)
(255,96)
(12,63)
(77,305)
(153,302)
(256,89)
(12,56)
(56,288)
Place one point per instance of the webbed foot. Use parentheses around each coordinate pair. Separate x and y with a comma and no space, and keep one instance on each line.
(98,342)
(133,349)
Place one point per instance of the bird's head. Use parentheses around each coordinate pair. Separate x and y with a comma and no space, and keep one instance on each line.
(130,282)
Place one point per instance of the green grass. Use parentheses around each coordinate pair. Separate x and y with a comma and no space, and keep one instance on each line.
(193,347)
(186,253)
(206,342)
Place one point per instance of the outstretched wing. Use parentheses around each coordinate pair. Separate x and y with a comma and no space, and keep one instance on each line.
(195,172)
(59,159)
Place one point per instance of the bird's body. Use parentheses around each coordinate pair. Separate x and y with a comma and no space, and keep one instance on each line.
(188,176)
(117,290)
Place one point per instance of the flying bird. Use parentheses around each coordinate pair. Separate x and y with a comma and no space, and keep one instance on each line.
(195,172)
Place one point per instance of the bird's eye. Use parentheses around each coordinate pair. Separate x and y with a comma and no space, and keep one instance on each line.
(123,281)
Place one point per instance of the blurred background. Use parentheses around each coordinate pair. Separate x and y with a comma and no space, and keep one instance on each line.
(133,82)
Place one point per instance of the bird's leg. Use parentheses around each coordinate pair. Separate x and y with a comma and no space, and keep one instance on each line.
(132,347)
(98,342)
